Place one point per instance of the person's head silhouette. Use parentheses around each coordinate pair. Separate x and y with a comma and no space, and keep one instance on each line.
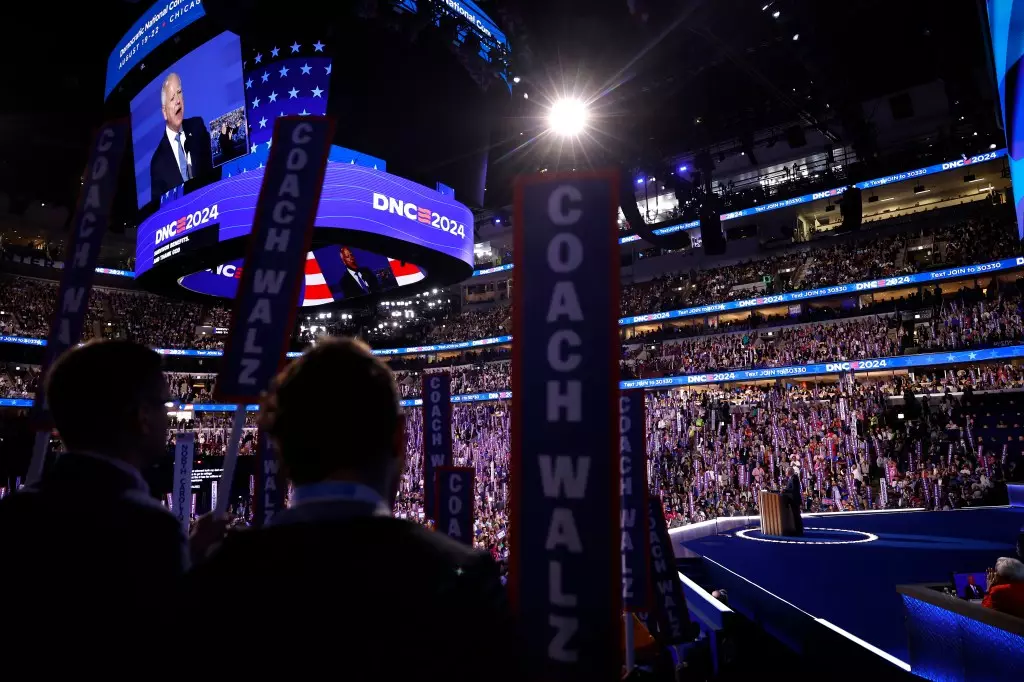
(110,398)
(333,414)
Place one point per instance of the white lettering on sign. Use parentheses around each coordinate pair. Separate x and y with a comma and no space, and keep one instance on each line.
(454,505)
(74,297)
(627,519)
(269,282)
(563,476)
(270,468)
(660,567)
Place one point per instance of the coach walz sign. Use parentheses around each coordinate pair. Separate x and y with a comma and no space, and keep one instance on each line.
(565,469)
(271,281)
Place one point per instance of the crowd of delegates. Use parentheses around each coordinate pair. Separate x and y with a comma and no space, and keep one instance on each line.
(27,303)
(712,449)
(972,321)
(870,337)
(968,241)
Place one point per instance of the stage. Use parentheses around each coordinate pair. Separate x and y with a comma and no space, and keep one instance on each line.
(846,567)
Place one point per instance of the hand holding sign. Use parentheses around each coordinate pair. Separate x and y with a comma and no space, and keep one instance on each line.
(271,277)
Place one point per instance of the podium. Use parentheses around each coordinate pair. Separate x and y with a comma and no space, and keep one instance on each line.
(776,517)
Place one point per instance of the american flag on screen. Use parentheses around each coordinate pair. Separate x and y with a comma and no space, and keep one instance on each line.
(280,80)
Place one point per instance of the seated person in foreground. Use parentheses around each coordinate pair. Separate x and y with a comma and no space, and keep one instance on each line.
(1006,587)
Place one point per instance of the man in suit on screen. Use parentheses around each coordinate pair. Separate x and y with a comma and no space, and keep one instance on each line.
(184,150)
(336,573)
(356,280)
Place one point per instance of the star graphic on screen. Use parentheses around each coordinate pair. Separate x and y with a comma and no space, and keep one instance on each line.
(248,84)
(265,76)
(951,358)
(261,165)
(293,93)
(316,92)
(263,123)
(328,69)
(245,170)
(305,69)
(253,149)
(259,58)
(273,53)
(272,97)
(972,355)
(318,46)
(295,47)
(283,71)
(271,139)
(256,103)
(303,112)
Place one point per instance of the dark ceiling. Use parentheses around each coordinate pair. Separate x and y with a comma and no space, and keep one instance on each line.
(667,75)
(671,76)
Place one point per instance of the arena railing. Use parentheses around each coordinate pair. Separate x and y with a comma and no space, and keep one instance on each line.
(900,362)
(992,267)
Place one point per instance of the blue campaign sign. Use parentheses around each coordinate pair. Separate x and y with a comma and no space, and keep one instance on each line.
(671,618)
(437,432)
(454,499)
(88,226)
(270,483)
(634,545)
(268,292)
(836,290)
(159,23)
(869,365)
(564,507)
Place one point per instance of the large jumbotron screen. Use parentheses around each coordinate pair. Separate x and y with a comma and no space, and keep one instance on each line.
(202,132)
(1006,25)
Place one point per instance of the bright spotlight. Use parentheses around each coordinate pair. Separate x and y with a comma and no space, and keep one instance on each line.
(516,79)
(568,117)
(682,169)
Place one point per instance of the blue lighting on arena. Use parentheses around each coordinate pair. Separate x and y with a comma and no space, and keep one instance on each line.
(819,368)
(750,303)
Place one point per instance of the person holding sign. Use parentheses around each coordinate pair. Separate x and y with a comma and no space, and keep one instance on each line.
(335,572)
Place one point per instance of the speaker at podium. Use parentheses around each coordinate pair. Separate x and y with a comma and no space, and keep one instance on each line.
(776,516)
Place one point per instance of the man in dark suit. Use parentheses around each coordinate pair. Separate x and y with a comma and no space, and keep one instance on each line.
(355,281)
(88,539)
(793,499)
(972,590)
(335,575)
(184,150)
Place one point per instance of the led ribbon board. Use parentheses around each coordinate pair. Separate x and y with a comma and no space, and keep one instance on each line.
(156,26)
(362,208)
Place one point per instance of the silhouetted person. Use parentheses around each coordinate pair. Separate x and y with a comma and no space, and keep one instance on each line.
(791,495)
(88,543)
(335,575)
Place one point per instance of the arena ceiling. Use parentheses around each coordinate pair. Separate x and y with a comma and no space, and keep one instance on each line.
(672,76)
(666,75)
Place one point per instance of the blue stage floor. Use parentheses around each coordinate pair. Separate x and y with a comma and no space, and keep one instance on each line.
(853,585)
